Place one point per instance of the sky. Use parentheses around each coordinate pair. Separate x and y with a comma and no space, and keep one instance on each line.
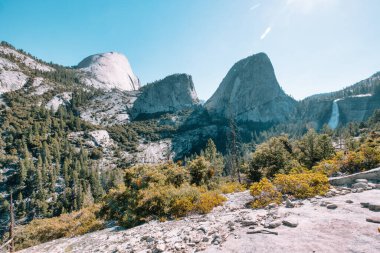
(315,46)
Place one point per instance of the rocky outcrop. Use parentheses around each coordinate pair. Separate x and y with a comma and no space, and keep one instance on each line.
(373,174)
(111,108)
(108,71)
(250,93)
(15,67)
(58,100)
(101,138)
(171,94)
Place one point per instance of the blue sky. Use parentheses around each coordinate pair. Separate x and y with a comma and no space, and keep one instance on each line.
(315,45)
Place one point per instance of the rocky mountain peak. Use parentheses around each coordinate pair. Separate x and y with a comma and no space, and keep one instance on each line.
(108,71)
(250,93)
(173,93)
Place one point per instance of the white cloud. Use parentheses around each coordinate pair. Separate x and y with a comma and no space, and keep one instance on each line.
(254,7)
(267,31)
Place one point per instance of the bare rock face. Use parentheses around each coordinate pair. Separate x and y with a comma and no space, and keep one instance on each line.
(171,94)
(58,100)
(108,71)
(354,103)
(110,108)
(15,67)
(250,93)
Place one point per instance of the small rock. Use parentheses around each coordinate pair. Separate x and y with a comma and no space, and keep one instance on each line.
(203,229)
(349,201)
(178,246)
(374,207)
(373,219)
(160,247)
(354,190)
(360,190)
(217,240)
(248,223)
(289,204)
(361,181)
(313,200)
(274,224)
(205,239)
(359,185)
(364,204)
(147,238)
(290,223)
(272,205)
(331,206)
(324,203)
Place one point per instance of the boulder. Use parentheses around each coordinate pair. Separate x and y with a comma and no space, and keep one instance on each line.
(160,247)
(289,204)
(373,219)
(360,185)
(373,174)
(374,207)
(274,224)
(331,206)
(364,204)
(290,222)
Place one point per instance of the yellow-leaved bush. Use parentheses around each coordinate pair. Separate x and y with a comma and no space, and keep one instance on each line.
(303,185)
(208,200)
(264,193)
(230,187)
(66,225)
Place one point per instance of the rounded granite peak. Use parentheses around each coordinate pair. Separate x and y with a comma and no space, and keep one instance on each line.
(250,93)
(108,71)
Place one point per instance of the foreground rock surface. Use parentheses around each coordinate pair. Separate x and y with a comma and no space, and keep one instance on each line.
(225,229)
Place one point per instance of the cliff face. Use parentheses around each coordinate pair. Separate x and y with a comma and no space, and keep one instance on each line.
(354,103)
(250,93)
(171,94)
(358,108)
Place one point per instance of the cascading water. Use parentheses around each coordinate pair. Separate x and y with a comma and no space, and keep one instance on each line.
(334,119)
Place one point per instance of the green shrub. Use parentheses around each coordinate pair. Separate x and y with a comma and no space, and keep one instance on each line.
(158,192)
(271,157)
(202,172)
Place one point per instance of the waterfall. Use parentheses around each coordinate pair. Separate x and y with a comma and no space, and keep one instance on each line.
(334,119)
